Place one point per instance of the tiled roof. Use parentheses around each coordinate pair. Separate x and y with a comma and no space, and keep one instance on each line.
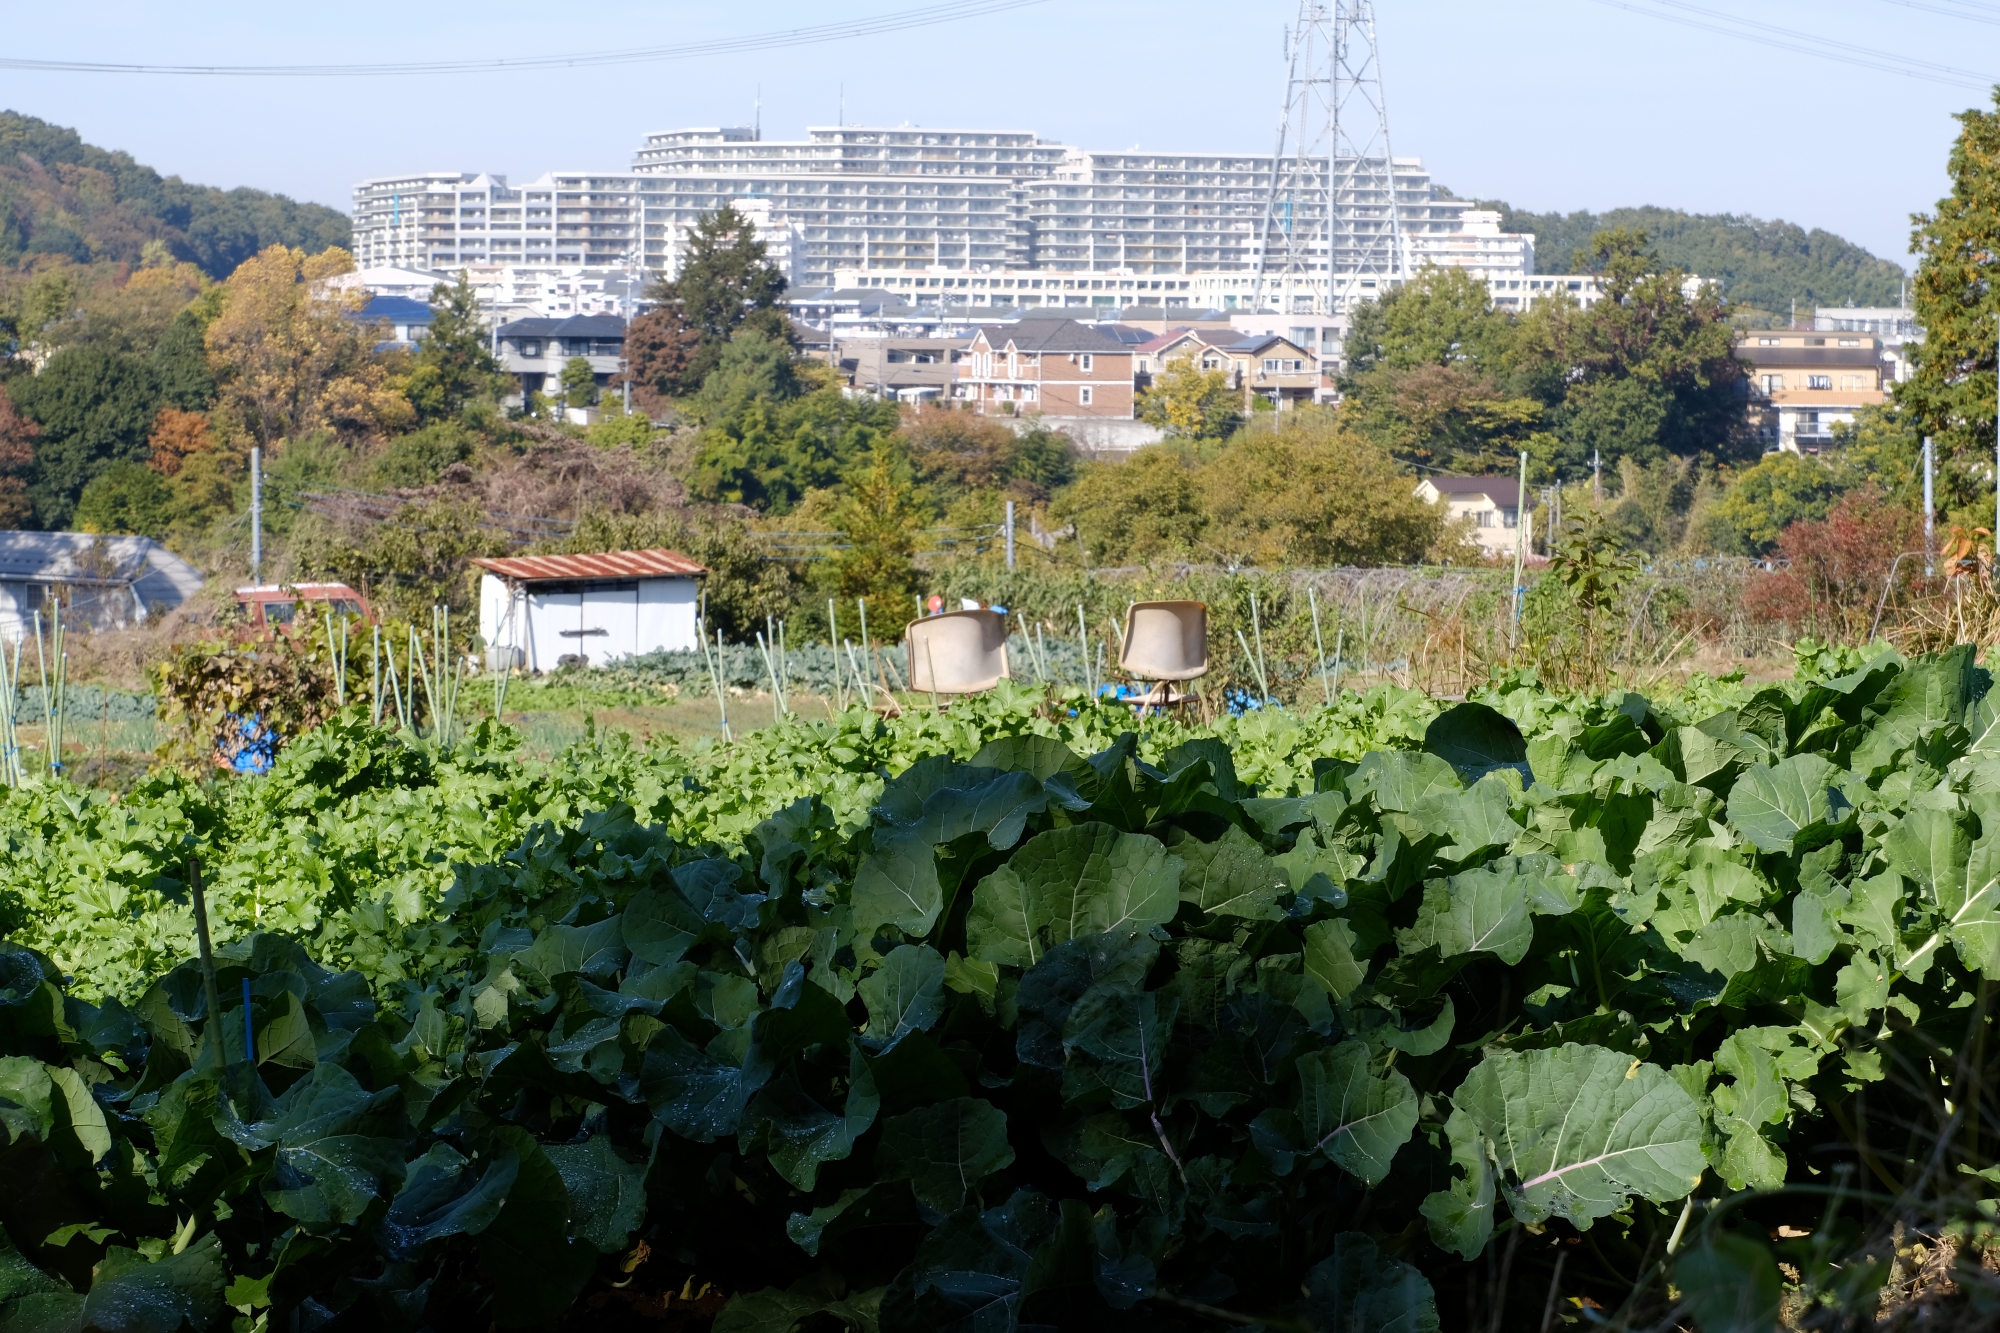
(1056,335)
(609,565)
(1498,489)
(576,326)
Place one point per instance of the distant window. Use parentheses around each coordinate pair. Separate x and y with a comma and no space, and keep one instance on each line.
(1509,518)
(531,347)
(1486,517)
(1085,399)
(1819,381)
(1772,383)
(278,613)
(1089,364)
(1850,342)
(1767,342)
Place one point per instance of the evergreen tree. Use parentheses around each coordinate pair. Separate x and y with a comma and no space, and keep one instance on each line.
(1952,394)
(180,361)
(95,408)
(454,363)
(725,283)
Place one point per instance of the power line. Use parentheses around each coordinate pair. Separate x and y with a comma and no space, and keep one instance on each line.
(901,21)
(1948,13)
(1788,39)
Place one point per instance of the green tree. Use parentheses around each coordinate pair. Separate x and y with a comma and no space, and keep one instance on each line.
(1650,370)
(725,282)
(124,498)
(1147,507)
(94,408)
(1952,392)
(1190,403)
(1779,491)
(762,448)
(420,458)
(180,361)
(454,364)
(1313,492)
(1432,376)
(882,519)
(579,382)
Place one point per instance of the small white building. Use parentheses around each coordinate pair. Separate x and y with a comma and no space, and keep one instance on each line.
(1492,503)
(537,610)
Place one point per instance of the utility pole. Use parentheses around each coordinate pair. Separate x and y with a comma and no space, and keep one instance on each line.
(1520,531)
(1010,534)
(256,515)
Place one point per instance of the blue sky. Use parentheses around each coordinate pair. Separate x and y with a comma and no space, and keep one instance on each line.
(1554,104)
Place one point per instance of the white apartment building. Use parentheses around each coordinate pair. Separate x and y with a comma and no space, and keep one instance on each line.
(902,200)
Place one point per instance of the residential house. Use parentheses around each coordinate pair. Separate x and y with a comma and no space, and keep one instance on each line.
(534,351)
(1050,367)
(910,370)
(1803,382)
(405,318)
(1270,366)
(1491,503)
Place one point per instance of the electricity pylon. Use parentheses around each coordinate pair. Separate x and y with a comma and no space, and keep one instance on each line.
(1331,217)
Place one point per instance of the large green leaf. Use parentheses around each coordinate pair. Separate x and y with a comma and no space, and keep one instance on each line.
(1730,1284)
(1475,740)
(1398,780)
(1926,695)
(945,1150)
(938,801)
(328,1170)
(1231,876)
(1490,909)
(1793,806)
(659,926)
(1354,1290)
(1581,1129)
(1117,1038)
(898,885)
(801,1135)
(1329,958)
(1461,1215)
(1084,880)
(1957,877)
(904,995)
(128,1294)
(1356,1117)
(607,1194)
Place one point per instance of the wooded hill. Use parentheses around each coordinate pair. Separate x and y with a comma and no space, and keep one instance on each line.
(1761,265)
(62,196)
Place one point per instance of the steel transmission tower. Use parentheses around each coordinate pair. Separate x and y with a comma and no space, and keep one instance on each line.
(1331,215)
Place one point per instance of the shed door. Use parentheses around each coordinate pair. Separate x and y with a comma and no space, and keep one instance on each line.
(549,614)
(609,628)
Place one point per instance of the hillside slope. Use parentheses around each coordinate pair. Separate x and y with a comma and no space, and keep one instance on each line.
(60,195)
(1762,265)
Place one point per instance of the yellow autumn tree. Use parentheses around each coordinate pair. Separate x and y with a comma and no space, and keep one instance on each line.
(1190,403)
(287,358)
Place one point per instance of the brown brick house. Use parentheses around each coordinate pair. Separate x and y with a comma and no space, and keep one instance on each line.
(1052,367)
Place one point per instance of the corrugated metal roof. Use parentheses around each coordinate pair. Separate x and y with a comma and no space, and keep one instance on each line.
(609,565)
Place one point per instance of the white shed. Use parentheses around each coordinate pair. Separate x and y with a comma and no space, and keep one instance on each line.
(596,607)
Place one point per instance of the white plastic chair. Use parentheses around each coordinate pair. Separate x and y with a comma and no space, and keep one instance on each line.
(1164,642)
(959,652)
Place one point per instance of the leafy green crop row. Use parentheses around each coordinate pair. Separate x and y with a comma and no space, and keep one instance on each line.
(1008,1018)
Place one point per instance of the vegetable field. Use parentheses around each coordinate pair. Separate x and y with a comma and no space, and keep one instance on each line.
(1532,1011)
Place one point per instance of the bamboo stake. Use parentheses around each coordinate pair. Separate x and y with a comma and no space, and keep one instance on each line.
(832,638)
(771,668)
(1319,643)
(930,660)
(1263,689)
(211,1027)
(375,672)
(1083,642)
(721,703)
(1257,628)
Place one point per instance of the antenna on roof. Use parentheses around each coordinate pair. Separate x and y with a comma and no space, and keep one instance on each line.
(757,117)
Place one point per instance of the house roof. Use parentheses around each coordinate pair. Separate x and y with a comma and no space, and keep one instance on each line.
(395,310)
(1052,335)
(156,575)
(1501,490)
(609,565)
(576,326)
